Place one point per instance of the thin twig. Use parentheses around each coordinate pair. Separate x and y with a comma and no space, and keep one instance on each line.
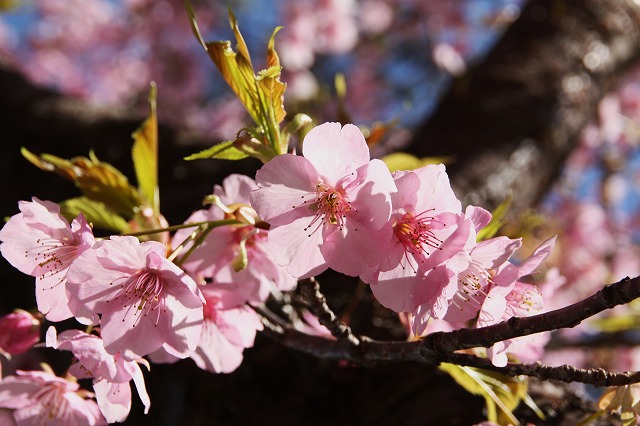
(563,373)
(315,301)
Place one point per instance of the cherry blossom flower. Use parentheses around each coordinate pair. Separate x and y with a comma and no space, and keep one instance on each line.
(427,231)
(41,243)
(145,301)
(328,208)
(236,255)
(111,374)
(19,331)
(228,329)
(40,397)
(487,266)
(506,298)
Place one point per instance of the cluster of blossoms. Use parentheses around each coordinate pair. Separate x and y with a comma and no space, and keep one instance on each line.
(404,233)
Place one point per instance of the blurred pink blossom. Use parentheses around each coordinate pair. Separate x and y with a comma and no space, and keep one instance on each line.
(19,331)
(39,397)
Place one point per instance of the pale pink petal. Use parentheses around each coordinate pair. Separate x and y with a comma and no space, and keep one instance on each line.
(114,400)
(541,253)
(498,355)
(138,380)
(496,251)
(371,198)
(15,392)
(215,353)
(298,252)
(235,189)
(406,197)
(355,248)
(435,191)
(479,216)
(335,151)
(285,182)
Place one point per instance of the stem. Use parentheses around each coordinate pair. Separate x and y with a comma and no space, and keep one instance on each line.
(211,223)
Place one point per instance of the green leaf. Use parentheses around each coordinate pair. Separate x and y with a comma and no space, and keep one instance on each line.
(97,180)
(497,220)
(262,94)
(617,323)
(222,151)
(145,156)
(405,161)
(95,212)
(499,392)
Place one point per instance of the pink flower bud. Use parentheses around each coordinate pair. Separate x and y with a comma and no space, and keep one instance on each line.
(19,331)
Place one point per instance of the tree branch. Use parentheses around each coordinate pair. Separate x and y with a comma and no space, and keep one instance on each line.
(315,301)
(610,296)
(441,346)
(564,373)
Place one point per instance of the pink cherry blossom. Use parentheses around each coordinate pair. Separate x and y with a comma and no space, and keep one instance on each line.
(145,301)
(215,258)
(228,329)
(427,230)
(41,243)
(511,296)
(40,397)
(328,208)
(111,374)
(488,260)
(19,331)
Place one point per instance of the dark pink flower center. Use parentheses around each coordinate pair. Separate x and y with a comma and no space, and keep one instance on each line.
(416,234)
(331,206)
(143,293)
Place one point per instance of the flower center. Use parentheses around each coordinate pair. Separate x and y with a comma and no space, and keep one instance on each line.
(143,294)
(416,235)
(52,402)
(331,206)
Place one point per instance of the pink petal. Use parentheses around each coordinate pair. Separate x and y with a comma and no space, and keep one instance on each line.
(541,253)
(335,151)
(284,183)
(235,189)
(114,400)
(372,197)
(355,248)
(293,248)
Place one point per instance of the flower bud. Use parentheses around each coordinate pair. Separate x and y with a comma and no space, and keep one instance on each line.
(19,331)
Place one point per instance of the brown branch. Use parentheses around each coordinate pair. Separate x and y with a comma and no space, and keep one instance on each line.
(440,347)
(315,301)
(610,296)
(564,373)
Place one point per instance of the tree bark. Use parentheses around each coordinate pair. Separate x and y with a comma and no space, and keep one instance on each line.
(512,121)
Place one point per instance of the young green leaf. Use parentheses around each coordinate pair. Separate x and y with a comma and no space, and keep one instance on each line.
(145,156)
(497,220)
(222,151)
(262,94)
(95,212)
(500,398)
(97,180)
(405,161)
